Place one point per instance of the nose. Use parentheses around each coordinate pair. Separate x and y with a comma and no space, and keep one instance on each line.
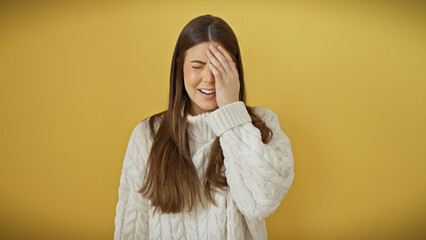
(208,75)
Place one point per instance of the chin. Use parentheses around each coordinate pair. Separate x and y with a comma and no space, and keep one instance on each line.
(211,108)
(206,106)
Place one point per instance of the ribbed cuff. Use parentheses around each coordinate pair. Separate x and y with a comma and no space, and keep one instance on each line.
(227,117)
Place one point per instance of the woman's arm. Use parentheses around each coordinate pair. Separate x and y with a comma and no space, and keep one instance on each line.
(259,175)
(131,220)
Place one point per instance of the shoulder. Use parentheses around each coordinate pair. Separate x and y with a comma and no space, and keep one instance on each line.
(263,112)
(142,129)
(271,120)
(266,114)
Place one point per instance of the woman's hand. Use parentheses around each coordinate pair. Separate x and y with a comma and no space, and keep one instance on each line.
(227,82)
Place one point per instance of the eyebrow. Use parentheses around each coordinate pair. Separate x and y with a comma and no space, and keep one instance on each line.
(198,61)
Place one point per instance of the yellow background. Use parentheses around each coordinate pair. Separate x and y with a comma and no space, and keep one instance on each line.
(348,81)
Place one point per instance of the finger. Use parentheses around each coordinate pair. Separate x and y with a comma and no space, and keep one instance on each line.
(216,73)
(218,66)
(222,59)
(230,60)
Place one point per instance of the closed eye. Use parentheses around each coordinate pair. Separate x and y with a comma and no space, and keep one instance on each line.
(196,67)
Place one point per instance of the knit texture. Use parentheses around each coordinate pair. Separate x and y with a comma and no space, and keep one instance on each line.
(259,176)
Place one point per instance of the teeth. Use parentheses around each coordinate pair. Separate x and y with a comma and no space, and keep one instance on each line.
(206,91)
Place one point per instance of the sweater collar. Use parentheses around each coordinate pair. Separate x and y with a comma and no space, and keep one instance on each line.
(198,127)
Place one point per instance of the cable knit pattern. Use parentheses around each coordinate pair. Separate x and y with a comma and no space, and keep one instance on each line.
(259,176)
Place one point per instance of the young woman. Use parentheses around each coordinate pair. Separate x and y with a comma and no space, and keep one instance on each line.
(209,167)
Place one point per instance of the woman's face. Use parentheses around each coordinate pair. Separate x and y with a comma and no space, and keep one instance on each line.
(199,80)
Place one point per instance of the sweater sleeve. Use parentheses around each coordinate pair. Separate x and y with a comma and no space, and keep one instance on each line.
(259,175)
(131,220)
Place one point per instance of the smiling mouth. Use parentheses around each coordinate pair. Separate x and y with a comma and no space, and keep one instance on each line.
(208,92)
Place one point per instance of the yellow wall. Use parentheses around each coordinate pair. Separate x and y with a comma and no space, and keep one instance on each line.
(348,82)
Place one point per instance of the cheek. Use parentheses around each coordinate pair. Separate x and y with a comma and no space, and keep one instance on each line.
(191,79)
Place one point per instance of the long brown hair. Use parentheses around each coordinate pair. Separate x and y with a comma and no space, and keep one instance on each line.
(171,182)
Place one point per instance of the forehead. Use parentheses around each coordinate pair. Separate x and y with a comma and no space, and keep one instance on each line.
(199,51)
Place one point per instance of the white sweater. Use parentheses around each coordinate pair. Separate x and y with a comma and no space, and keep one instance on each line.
(259,176)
